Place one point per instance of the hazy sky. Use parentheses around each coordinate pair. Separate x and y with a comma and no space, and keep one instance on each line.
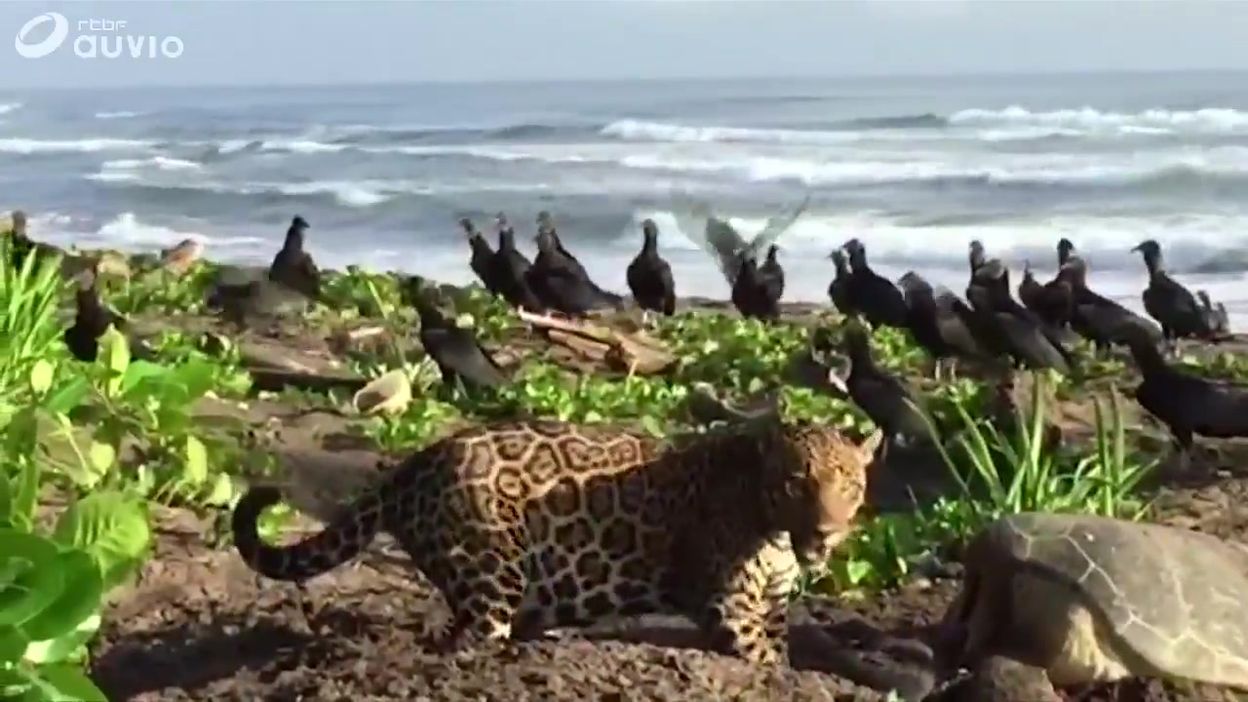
(453,40)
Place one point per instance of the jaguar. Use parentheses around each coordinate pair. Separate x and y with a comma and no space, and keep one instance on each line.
(529,525)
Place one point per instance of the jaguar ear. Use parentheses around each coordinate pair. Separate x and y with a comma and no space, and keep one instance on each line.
(869,445)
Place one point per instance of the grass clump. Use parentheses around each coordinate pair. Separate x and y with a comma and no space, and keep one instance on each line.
(52,581)
(997,471)
(30,330)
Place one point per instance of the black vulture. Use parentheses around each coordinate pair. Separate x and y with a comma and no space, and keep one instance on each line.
(939,322)
(1216,316)
(1095,317)
(1030,292)
(455,350)
(511,269)
(1065,249)
(247,302)
(838,289)
(1051,302)
(1011,329)
(886,400)
(559,281)
(722,241)
(20,243)
(1187,403)
(1168,302)
(976,255)
(772,276)
(546,224)
(873,295)
(650,277)
(750,294)
(294,267)
(91,320)
(482,259)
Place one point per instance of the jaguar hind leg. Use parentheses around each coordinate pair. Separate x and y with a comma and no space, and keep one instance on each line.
(484,587)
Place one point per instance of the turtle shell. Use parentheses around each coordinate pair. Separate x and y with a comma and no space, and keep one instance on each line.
(1175,597)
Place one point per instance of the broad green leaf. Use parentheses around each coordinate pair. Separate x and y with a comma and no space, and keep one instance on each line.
(30,578)
(64,648)
(65,682)
(12,645)
(22,433)
(144,377)
(222,492)
(858,571)
(196,375)
(78,600)
(13,684)
(196,461)
(116,356)
(112,527)
(68,396)
(26,493)
(652,425)
(41,376)
(102,457)
(6,502)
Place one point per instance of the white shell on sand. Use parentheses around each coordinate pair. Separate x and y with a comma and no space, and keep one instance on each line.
(387,394)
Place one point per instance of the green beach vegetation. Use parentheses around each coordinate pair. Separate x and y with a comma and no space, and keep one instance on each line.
(93,451)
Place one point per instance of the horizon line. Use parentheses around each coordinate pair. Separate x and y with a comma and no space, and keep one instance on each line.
(645,79)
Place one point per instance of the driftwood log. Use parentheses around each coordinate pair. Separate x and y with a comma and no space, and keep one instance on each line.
(634,353)
(273,368)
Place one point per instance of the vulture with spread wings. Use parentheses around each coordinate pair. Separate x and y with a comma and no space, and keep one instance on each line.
(723,242)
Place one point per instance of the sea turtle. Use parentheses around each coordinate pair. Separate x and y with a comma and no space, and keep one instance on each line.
(1095,599)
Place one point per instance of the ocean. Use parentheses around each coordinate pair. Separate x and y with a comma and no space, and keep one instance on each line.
(913,167)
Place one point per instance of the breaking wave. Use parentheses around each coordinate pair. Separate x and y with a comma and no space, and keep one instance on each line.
(35,146)
(1210,120)
(119,114)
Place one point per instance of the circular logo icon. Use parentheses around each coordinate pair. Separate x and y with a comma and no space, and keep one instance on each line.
(60,30)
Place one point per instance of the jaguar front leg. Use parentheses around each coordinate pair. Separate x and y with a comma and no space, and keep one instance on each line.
(740,625)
